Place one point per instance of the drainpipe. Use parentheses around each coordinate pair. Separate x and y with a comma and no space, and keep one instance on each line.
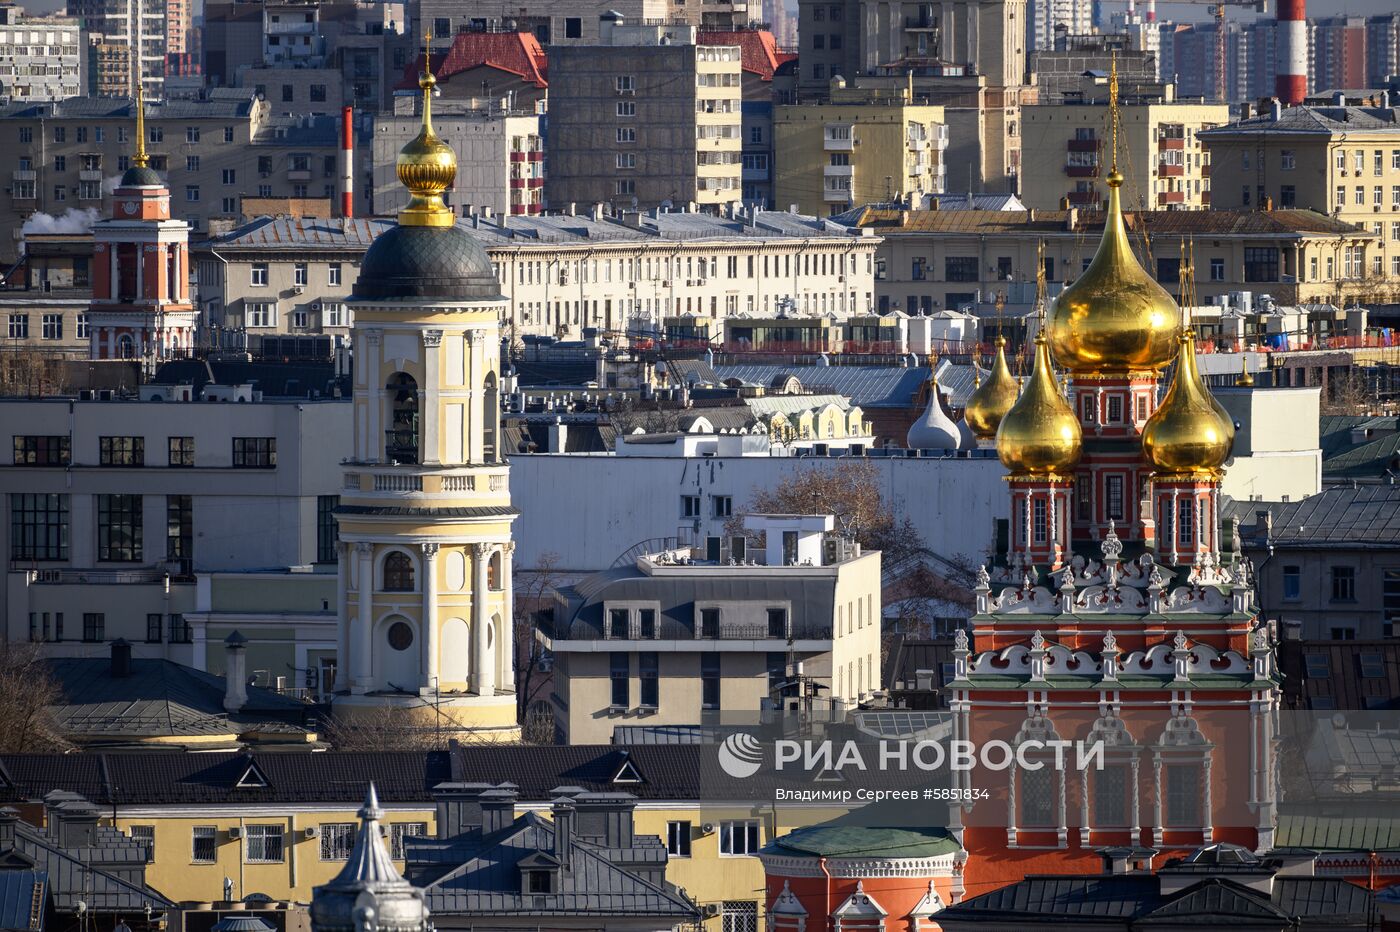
(821,866)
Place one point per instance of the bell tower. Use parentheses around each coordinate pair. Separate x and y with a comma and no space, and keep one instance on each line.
(425,516)
(141,305)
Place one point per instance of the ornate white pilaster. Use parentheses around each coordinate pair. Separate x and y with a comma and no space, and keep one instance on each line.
(429,663)
(428,395)
(507,651)
(364,594)
(374,399)
(483,670)
(342,630)
(474,451)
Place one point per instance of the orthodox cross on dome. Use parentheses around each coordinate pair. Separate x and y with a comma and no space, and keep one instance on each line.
(140,158)
(1113,116)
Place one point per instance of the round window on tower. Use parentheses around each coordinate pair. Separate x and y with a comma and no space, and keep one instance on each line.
(400,636)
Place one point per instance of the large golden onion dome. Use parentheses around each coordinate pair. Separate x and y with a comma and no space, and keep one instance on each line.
(993,398)
(427,167)
(1040,435)
(1191,433)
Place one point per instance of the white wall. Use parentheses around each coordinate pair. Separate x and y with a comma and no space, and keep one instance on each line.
(590,508)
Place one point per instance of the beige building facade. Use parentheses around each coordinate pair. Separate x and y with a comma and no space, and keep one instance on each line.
(863,147)
(682,634)
(1343,161)
(1159,150)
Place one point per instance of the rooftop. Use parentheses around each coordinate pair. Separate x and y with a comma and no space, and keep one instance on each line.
(1324,121)
(1355,518)
(1288,223)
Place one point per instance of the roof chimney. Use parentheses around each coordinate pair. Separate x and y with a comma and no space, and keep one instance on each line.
(235,672)
(563,830)
(121,659)
(498,808)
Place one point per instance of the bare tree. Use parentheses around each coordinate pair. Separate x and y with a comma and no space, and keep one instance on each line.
(534,594)
(31,373)
(399,728)
(28,692)
(1350,394)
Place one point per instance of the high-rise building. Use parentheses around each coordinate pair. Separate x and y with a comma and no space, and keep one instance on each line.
(139,25)
(647,118)
(1338,53)
(426,604)
(1045,17)
(1382,48)
(43,56)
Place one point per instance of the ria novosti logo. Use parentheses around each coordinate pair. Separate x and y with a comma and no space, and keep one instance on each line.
(741,755)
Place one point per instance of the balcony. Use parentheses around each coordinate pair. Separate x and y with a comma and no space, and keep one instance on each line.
(1083,198)
(298,174)
(90,175)
(24,175)
(1082,145)
(838,143)
(839,171)
(920,24)
(836,195)
(1171,197)
(1166,144)
(1171,171)
(918,145)
(1082,171)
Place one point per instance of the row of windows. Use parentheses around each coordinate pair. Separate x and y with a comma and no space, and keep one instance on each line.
(56,450)
(258,278)
(267,844)
(1358,196)
(47,627)
(1358,160)
(1341,578)
(1111,794)
(688,268)
(40,523)
(51,325)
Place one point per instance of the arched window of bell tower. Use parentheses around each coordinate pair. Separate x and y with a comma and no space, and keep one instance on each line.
(401,439)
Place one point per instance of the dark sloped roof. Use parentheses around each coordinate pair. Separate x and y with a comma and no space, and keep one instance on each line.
(1319,120)
(1334,900)
(17,895)
(1362,517)
(1156,222)
(667,771)
(1110,897)
(408,262)
(489,882)
(72,879)
(1213,900)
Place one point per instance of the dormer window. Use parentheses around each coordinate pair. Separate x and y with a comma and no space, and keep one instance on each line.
(539,881)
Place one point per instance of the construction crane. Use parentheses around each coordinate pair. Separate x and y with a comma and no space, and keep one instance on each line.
(1217,11)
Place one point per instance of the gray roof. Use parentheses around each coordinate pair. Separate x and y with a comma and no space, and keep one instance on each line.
(17,896)
(488,881)
(1321,120)
(866,386)
(78,874)
(1362,517)
(811,598)
(160,698)
(121,108)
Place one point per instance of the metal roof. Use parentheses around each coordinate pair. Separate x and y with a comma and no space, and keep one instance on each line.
(866,386)
(19,890)
(80,876)
(1363,517)
(120,108)
(1320,120)
(1285,223)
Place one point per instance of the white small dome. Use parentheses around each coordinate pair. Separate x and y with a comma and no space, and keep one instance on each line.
(934,430)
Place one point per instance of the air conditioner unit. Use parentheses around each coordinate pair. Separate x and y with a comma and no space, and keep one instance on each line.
(710,909)
(707,828)
(50,576)
(235,832)
(298,289)
(311,831)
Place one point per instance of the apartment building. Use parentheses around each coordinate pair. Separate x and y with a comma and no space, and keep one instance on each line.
(760,59)
(108,68)
(681,633)
(115,507)
(1045,18)
(647,118)
(934,260)
(41,57)
(308,56)
(138,26)
(500,158)
(561,273)
(1342,161)
(1382,48)
(863,147)
(211,152)
(1338,52)
(480,71)
(1075,64)
(570,22)
(1159,151)
(968,56)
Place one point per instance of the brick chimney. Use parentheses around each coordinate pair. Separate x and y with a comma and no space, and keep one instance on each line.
(498,808)
(563,830)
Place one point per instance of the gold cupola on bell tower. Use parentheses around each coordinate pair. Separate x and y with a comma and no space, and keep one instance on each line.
(427,166)
(1115,317)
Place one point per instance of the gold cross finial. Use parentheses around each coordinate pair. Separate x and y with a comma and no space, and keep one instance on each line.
(1113,112)
(1040,288)
(140,159)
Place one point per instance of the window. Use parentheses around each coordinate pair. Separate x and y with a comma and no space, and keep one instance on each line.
(1185,520)
(318,93)
(1260,264)
(333,314)
(254,452)
(260,313)
(1036,798)
(1183,792)
(94,626)
(1111,796)
(646,622)
(1316,666)
(724,506)
(228,205)
(333,274)
(228,134)
(1292,583)
(738,916)
(26,134)
(327,532)
(48,450)
(625,186)
(1115,409)
(204,844)
(690,506)
(777,623)
(709,681)
(191,163)
(155,624)
(619,673)
(181,452)
(678,839)
(1113,496)
(960,268)
(618,625)
(60,163)
(337,841)
(179,523)
(738,838)
(398,831)
(191,193)
(626,134)
(648,676)
(1287,196)
(626,108)
(573,27)
(1343,584)
(398,572)
(709,623)
(1343,634)
(122,451)
(1038,520)
(627,160)
(230,176)
(259,275)
(38,526)
(264,843)
(19,326)
(53,326)
(119,528)
(1287,160)
(625,84)
(299,274)
(1217,270)
(1371,664)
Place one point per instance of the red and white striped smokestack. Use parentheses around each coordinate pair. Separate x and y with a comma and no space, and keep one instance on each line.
(1291,44)
(347,159)
(1150,11)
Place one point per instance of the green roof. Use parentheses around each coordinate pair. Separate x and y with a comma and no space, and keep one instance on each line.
(835,840)
(1338,832)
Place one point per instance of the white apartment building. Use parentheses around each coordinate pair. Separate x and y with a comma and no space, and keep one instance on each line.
(1044,16)
(135,24)
(170,523)
(561,273)
(673,636)
(41,57)
(500,158)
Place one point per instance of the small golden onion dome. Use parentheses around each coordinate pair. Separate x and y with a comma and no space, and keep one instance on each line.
(1191,433)
(993,398)
(1244,379)
(1040,435)
(1115,317)
(427,167)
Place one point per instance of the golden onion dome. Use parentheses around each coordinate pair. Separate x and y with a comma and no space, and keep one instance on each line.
(1115,317)
(1040,435)
(1244,379)
(993,398)
(427,167)
(1190,434)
